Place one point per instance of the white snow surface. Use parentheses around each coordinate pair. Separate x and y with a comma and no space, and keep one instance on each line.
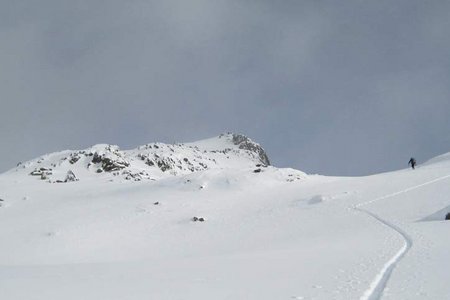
(268,233)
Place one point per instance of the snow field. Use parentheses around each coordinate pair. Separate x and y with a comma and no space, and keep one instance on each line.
(265,236)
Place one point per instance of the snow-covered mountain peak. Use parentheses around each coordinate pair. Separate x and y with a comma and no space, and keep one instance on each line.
(151,161)
(237,142)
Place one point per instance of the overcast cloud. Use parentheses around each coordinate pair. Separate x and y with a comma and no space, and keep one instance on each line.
(330,87)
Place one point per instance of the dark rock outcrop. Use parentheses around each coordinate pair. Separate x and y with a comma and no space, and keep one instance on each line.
(135,176)
(245,143)
(110,160)
(74,157)
(42,172)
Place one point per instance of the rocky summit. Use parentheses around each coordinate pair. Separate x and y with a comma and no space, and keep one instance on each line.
(151,161)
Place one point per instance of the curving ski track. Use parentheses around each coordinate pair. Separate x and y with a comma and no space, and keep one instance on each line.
(376,288)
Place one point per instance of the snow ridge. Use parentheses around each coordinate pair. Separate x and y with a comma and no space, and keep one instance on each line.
(149,162)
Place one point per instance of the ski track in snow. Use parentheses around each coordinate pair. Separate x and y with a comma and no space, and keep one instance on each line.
(376,288)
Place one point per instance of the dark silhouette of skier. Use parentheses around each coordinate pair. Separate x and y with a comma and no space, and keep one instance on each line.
(412,162)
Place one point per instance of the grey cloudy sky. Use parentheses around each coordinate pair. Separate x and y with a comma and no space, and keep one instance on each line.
(331,87)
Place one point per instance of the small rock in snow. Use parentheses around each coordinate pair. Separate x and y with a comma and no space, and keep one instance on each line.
(70,177)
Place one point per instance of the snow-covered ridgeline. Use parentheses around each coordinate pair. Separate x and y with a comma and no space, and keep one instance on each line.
(151,161)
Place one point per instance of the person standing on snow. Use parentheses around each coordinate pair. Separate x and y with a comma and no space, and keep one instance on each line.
(412,162)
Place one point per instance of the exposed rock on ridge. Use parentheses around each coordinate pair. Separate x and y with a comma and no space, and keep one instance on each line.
(152,161)
(245,143)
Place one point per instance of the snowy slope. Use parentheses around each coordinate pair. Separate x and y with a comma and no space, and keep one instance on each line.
(127,231)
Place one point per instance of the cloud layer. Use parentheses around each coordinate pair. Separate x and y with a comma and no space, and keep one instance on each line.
(335,88)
